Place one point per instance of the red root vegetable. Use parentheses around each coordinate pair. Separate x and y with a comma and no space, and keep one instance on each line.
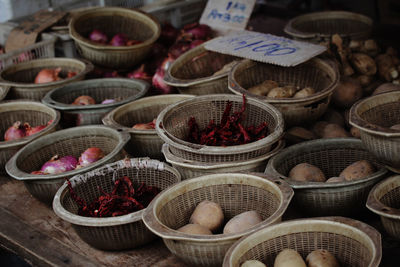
(108,101)
(58,165)
(119,39)
(84,100)
(158,82)
(168,34)
(98,36)
(139,73)
(32,130)
(145,126)
(15,132)
(71,74)
(48,75)
(178,49)
(89,156)
(195,31)
(133,42)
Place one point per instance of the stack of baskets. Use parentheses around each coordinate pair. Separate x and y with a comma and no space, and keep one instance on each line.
(194,159)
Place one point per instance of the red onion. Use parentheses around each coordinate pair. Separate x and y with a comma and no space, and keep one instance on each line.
(168,34)
(71,74)
(178,49)
(145,126)
(48,75)
(119,39)
(108,101)
(133,42)
(15,132)
(167,63)
(32,130)
(56,165)
(139,73)
(89,156)
(196,31)
(98,36)
(158,82)
(196,43)
(84,100)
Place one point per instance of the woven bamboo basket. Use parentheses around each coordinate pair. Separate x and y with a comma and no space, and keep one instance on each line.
(353,243)
(383,200)
(119,89)
(112,20)
(322,75)
(24,111)
(119,232)
(192,72)
(175,129)
(374,116)
(320,26)
(190,169)
(143,143)
(331,156)
(20,77)
(72,141)
(234,192)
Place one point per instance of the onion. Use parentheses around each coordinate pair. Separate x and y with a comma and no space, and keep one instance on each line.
(158,82)
(167,62)
(139,73)
(89,156)
(196,31)
(56,165)
(133,42)
(168,34)
(196,43)
(71,74)
(32,130)
(98,36)
(145,126)
(15,132)
(178,49)
(108,101)
(84,100)
(119,39)
(48,75)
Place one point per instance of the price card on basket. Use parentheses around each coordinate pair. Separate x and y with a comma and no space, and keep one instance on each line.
(266,48)
(224,16)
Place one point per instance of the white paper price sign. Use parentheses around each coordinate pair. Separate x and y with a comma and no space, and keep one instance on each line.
(265,48)
(227,15)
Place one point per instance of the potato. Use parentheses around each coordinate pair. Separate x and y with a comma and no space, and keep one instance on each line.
(334,131)
(333,116)
(305,172)
(363,63)
(298,134)
(355,132)
(318,128)
(395,127)
(365,80)
(289,258)
(358,170)
(347,93)
(195,229)
(308,91)
(253,263)
(282,92)
(208,214)
(335,180)
(263,88)
(386,87)
(242,222)
(321,258)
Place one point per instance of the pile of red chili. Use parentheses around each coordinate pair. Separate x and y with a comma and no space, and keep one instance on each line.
(229,131)
(123,199)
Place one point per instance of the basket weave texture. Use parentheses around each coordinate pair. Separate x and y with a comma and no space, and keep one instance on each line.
(235,193)
(174,120)
(316,73)
(120,232)
(112,20)
(352,242)
(331,156)
(72,141)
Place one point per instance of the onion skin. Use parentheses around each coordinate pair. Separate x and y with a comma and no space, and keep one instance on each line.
(108,101)
(32,130)
(16,131)
(56,165)
(140,74)
(84,100)
(98,37)
(89,156)
(158,82)
(119,39)
(48,75)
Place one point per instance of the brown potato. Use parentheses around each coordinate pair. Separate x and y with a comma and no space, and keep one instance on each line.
(253,263)
(395,127)
(263,88)
(208,214)
(347,93)
(289,258)
(195,229)
(305,92)
(282,92)
(321,258)
(365,80)
(242,222)
(298,134)
(334,131)
(318,128)
(333,116)
(355,132)
(358,170)
(305,172)
(335,180)
(363,63)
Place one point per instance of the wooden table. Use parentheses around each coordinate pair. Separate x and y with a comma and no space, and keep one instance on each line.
(32,230)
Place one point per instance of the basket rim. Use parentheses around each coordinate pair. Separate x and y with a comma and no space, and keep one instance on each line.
(86,64)
(108,119)
(140,85)
(354,225)
(363,125)
(73,218)
(345,142)
(16,173)
(27,139)
(376,206)
(292,31)
(237,89)
(153,223)
(216,150)
(110,11)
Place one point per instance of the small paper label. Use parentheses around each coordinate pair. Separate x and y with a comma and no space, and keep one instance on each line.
(265,48)
(227,15)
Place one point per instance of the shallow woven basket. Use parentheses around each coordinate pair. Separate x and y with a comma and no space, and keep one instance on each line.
(373,116)
(384,200)
(119,89)
(31,112)
(72,141)
(322,75)
(190,169)
(112,20)
(143,143)
(20,77)
(320,26)
(174,120)
(353,243)
(235,193)
(331,156)
(120,232)
(192,72)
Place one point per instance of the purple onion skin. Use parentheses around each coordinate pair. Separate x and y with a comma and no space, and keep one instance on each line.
(55,166)
(89,156)
(98,36)
(119,39)
(108,101)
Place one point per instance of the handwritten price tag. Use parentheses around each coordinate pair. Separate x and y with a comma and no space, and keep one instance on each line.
(223,15)
(265,48)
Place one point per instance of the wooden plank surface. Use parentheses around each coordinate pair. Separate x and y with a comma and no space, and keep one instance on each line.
(32,230)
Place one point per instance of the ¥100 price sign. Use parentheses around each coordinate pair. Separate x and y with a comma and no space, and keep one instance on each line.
(265,48)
